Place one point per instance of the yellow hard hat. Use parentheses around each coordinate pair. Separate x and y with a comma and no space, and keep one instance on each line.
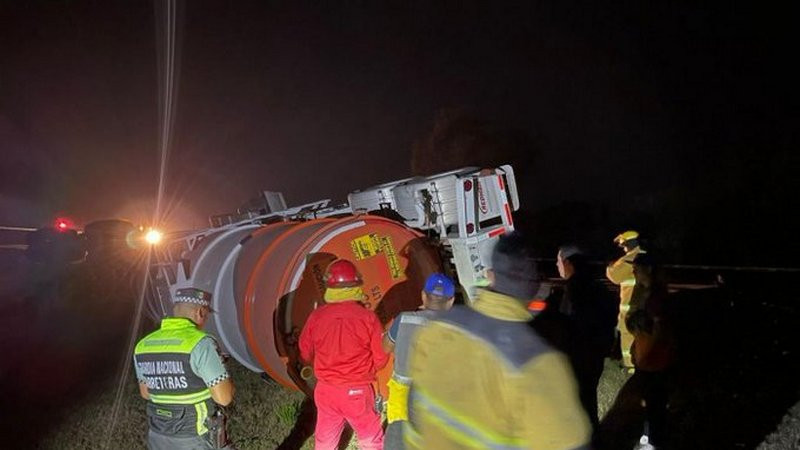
(626,236)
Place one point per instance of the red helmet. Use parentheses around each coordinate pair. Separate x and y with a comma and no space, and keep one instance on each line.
(342,273)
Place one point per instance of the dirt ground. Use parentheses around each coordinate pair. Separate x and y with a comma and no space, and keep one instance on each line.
(734,387)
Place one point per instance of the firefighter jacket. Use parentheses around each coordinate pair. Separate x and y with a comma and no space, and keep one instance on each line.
(180,400)
(343,340)
(620,272)
(482,378)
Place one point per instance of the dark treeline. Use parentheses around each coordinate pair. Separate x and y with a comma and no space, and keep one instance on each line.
(736,213)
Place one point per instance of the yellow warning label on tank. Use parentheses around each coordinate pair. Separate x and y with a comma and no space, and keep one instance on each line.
(391,257)
(365,246)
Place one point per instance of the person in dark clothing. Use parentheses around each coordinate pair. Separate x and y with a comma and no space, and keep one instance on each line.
(650,292)
(590,313)
(653,349)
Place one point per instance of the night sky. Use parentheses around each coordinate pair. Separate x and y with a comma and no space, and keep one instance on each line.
(316,101)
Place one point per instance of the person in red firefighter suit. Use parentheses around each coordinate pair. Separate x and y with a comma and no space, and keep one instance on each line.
(342,339)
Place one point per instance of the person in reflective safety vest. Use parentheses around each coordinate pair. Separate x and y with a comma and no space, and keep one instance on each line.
(437,296)
(183,379)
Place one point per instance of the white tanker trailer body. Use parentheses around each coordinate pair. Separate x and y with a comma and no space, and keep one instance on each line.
(265,272)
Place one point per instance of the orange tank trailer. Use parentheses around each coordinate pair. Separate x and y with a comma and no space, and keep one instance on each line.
(285,283)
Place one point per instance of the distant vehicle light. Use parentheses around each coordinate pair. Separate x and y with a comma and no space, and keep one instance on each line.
(153,237)
(63,224)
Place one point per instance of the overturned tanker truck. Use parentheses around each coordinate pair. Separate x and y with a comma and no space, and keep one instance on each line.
(264,263)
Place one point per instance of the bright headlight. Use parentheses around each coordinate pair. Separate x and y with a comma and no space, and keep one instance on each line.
(153,237)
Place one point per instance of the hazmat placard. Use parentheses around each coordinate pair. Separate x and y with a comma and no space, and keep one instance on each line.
(369,245)
(391,257)
(365,246)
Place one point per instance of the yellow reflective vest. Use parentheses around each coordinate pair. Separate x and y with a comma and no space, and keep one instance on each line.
(180,402)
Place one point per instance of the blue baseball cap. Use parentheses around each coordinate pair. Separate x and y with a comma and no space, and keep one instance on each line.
(439,284)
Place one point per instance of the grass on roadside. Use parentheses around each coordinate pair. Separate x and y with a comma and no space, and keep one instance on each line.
(265,414)
(259,422)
